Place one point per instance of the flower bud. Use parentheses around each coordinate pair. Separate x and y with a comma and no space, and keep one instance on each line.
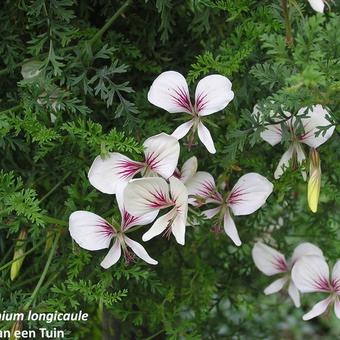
(314,182)
(31,69)
(19,251)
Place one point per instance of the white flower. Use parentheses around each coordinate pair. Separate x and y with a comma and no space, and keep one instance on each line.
(147,195)
(92,232)
(112,174)
(170,92)
(317,5)
(311,274)
(188,170)
(315,118)
(248,195)
(271,262)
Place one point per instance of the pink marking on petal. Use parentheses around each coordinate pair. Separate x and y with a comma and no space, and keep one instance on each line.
(128,169)
(105,228)
(322,284)
(160,201)
(177,174)
(127,220)
(236,196)
(152,161)
(201,101)
(280,264)
(336,285)
(182,99)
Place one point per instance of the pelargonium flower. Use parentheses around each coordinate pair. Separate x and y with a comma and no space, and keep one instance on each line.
(311,274)
(317,5)
(170,92)
(149,195)
(111,174)
(248,195)
(315,118)
(188,170)
(271,262)
(93,232)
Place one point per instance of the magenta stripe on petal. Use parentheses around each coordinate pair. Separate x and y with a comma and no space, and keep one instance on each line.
(105,228)
(182,99)
(152,161)
(160,200)
(128,169)
(127,220)
(336,285)
(236,196)
(322,284)
(280,264)
(201,101)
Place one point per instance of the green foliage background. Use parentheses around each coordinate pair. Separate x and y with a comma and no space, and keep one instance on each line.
(99,58)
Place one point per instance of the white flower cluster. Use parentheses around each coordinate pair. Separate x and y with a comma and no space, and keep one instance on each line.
(306,271)
(146,187)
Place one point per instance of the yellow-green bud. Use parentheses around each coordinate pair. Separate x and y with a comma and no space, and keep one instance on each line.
(19,250)
(314,182)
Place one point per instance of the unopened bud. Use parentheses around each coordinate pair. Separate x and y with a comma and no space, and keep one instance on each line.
(19,251)
(314,182)
(31,69)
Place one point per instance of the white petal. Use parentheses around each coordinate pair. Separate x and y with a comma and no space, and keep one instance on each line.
(161,154)
(183,129)
(110,174)
(128,220)
(230,228)
(337,307)
(210,213)
(284,162)
(202,184)
(336,277)
(179,192)
(145,195)
(317,5)
(249,194)
(276,286)
(272,133)
(318,309)
(268,260)
(294,294)
(300,156)
(189,169)
(304,249)
(316,117)
(213,93)
(170,92)
(90,231)
(205,137)
(112,256)
(178,228)
(311,274)
(139,250)
(160,225)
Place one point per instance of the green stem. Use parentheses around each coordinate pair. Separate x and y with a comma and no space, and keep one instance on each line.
(289,36)
(55,187)
(23,255)
(44,273)
(54,220)
(11,109)
(109,22)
